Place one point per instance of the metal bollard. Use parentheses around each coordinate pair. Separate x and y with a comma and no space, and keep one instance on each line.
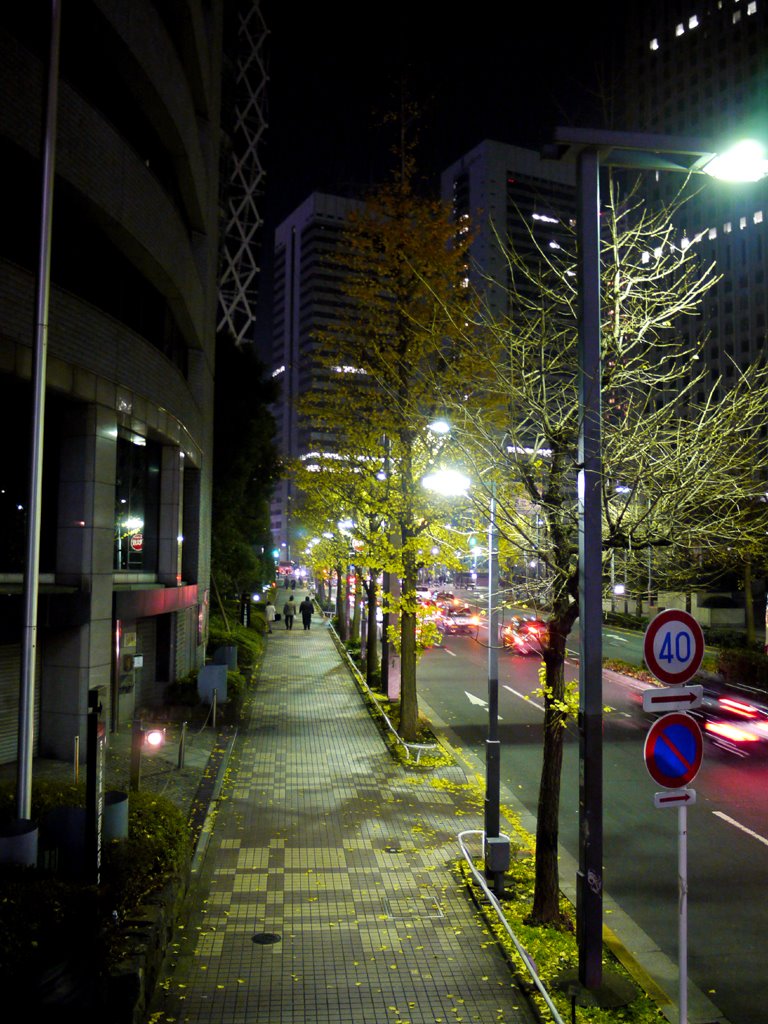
(182,744)
(213,707)
(76,765)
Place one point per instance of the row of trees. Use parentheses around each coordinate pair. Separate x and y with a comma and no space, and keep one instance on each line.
(682,477)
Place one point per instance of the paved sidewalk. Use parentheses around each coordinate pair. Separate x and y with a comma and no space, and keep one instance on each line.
(327,891)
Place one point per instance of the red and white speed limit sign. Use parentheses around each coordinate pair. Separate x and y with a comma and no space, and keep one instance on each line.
(673,646)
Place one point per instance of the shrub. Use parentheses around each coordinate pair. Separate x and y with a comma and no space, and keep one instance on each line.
(43,917)
(742,667)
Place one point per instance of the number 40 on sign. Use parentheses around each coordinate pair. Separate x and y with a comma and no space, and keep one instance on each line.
(673,646)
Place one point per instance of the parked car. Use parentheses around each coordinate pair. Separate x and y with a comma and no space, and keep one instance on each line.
(423,592)
(524,635)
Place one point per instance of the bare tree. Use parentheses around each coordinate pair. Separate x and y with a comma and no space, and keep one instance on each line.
(679,474)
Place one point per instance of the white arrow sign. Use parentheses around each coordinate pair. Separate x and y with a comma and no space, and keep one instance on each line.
(476,700)
(675,798)
(479,700)
(672,698)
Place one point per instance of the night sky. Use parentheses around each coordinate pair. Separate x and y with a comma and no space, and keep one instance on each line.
(482,70)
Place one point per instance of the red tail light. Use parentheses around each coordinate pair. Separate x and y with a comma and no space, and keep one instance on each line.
(737,707)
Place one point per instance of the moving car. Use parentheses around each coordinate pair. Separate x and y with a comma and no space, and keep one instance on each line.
(458,622)
(734,722)
(524,635)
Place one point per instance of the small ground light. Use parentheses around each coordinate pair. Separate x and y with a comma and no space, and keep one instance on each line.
(154,738)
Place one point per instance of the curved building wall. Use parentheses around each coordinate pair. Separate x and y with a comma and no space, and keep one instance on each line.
(125,537)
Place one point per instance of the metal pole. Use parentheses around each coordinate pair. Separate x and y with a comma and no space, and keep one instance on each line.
(496,846)
(682,869)
(492,746)
(589,881)
(182,744)
(40,351)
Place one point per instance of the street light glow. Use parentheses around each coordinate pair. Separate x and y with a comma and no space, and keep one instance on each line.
(447,482)
(743,162)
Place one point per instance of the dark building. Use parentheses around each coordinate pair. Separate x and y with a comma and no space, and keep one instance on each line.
(701,70)
(128,429)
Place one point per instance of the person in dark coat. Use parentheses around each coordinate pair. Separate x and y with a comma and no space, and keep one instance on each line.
(306,608)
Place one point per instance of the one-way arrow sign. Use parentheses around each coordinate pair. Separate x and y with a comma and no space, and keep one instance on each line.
(672,698)
(675,798)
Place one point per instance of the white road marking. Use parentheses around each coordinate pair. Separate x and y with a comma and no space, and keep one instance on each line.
(452,653)
(479,700)
(743,828)
(522,696)
(615,636)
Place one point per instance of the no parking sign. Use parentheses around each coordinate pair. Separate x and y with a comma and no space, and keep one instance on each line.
(673,750)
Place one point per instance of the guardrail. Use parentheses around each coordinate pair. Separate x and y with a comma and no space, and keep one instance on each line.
(409,747)
(527,959)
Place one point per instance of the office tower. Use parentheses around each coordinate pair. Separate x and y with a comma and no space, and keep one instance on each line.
(128,406)
(503,194)
(701,69)
(306,298)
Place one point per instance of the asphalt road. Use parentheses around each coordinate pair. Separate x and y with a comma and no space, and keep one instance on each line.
(727,828)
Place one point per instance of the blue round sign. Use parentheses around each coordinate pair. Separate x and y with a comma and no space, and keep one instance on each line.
(673,750)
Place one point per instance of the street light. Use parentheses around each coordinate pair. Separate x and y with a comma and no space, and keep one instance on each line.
(452,483)
(590,149)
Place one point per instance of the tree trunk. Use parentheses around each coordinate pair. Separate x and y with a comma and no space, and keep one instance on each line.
(372,649)
(340,621)
(354,633)
(546,896)
(749,605)
(409,704)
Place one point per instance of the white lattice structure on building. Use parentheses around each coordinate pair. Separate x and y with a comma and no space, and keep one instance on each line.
(243,174)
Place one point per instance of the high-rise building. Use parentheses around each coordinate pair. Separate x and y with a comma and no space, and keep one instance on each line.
(126,484)
(700,68)
(306,299)
(506,195)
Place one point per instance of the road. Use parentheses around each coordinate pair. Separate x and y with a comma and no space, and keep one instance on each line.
(727,829)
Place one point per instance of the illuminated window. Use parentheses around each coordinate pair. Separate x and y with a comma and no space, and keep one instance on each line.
(645,258)
(757,217)
(727,227)
(654,44)
(712,233)
(742,222)
(137,502)
(693,21)
(736,17)
(680,29)
(752,8)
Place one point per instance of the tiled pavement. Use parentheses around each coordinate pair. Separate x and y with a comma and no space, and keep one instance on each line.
(328,891)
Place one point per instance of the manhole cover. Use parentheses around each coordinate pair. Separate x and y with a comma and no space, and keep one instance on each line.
(266,938)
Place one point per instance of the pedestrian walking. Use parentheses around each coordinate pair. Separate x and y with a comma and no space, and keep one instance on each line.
(271,612)
(289,610)
(306,608)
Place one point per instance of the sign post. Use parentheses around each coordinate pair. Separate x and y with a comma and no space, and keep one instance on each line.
(674,648)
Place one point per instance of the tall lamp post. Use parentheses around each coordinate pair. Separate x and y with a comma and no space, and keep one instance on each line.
(591,150)
(451,483)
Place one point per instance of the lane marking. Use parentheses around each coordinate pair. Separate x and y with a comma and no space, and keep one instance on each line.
(452,654)
(522,696)
(615,636)
(743,828)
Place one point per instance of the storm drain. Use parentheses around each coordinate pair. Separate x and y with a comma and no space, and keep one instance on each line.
(266,938)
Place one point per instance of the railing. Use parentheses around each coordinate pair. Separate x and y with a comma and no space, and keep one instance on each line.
(409,746)
(523,954)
